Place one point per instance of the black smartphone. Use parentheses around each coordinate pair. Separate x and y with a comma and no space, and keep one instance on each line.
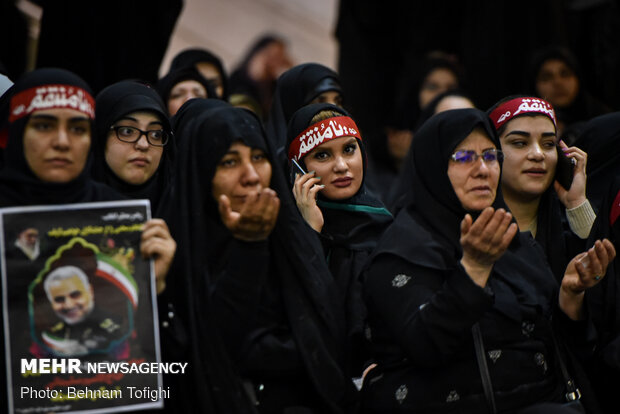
(564,170)
(296,169)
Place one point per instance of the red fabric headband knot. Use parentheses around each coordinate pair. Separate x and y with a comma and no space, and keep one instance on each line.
(508,110)
(322,131)
(51,97)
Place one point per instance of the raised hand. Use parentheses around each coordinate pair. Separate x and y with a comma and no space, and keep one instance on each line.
(305,190)
(485,241)
(257,216)
(576,195)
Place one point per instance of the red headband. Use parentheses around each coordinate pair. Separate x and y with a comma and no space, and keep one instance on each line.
(322,131)
(50,97)
(508,110)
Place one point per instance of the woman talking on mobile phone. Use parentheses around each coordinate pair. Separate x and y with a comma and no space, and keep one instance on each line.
(534,163)
(333,199)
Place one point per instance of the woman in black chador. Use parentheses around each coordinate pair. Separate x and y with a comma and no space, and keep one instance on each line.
(451,271)
(274,300)
(333,199)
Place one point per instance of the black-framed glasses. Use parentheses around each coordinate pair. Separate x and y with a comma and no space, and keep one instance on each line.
(155,137)
(467,156)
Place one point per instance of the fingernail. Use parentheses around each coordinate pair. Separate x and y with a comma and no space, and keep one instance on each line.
(322,185)
(318,178)
(312,172)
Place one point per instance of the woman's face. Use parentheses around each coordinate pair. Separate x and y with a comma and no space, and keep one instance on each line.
(339,164)
(134,163)
(56,144)
(183,92)
(530,156)
(557,83)
(241,171)
(437,81)
(475,183)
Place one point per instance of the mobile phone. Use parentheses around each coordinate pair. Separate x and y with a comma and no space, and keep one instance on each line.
(297,169)
(564,170)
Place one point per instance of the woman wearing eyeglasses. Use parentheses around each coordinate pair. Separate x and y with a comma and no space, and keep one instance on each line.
(543,181)
(133,141)
(459,302)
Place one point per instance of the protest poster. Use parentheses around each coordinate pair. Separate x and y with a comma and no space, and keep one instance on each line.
(79,309)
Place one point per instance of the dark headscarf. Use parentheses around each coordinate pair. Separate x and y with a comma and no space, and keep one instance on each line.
(18,184)
(165,84)
(311,302)
(113,103)
(191,57)
(192,109)
(295,88)
(426,232)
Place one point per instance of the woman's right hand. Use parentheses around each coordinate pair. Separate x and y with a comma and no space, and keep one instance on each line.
(305,190)
(485,241)
(257,217)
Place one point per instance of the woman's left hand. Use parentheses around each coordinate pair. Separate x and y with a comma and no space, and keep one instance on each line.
(576,195)
(583,272)
(158,244)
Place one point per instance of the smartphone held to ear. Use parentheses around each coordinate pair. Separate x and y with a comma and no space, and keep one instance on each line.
(565,169)
(296,169)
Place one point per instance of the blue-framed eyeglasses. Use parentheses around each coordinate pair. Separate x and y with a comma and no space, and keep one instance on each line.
(155,137)
(467,156)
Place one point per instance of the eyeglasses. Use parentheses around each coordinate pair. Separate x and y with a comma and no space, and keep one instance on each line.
(155,137)
(467,156)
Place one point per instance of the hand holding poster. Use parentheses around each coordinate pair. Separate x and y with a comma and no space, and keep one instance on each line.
(79,310)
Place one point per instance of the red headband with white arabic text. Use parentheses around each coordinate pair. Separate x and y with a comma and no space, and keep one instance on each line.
(51,97)
(519,106)
(320,132)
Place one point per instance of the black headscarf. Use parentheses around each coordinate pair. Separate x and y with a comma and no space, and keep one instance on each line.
(426,232)
(18,184)
(174,77)
(295,88)
(311,302)
(189,110)
(191,57)
(113,103)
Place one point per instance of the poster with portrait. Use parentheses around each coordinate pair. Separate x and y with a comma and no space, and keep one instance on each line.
(79,309)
